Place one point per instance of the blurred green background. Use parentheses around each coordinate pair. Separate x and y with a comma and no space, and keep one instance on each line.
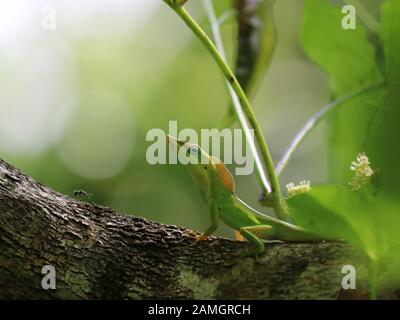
(76,102)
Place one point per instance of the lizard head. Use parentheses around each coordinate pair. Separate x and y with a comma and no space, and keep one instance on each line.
(201,165)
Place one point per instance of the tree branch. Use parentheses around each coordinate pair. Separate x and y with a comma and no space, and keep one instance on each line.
(98,253)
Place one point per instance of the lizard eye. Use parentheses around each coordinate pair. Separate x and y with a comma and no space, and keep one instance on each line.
(191,151)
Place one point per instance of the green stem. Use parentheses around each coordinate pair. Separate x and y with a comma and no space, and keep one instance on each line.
(278,202)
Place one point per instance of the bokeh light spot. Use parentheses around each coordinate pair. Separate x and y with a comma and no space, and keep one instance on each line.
(100,140)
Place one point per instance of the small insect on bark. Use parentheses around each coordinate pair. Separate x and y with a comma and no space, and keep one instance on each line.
(82,194)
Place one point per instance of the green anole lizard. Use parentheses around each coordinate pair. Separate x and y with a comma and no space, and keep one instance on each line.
(217,188)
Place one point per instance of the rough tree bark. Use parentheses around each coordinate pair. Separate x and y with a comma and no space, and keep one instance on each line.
(98,253)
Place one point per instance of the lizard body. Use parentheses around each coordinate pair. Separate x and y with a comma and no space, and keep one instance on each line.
(217,187)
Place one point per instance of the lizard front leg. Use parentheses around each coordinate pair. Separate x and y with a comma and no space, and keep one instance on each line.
(214,215)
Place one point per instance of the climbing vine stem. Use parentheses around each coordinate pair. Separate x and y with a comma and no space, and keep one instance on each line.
(316,118)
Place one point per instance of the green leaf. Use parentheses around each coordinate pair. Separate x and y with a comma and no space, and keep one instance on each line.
(364,218)
(368,218)
(335,212)
(344,54)
(390,36)
(349,60)
(383,139)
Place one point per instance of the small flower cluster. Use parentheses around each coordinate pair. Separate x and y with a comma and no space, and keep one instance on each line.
(362,171)
(303,187)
